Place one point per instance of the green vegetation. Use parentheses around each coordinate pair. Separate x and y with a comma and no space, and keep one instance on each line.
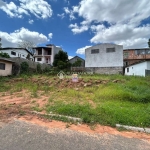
(61,60)
(109,100)
(5,55)
(77,63)
(24,67)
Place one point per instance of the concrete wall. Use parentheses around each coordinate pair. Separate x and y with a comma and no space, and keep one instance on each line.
(19,53)
(8,68)
(138,69)
(104,59)
(32,64)
(106,70)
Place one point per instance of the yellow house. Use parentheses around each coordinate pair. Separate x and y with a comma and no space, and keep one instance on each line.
(5,67)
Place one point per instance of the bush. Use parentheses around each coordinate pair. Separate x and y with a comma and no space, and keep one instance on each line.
(24,67)
(38,68)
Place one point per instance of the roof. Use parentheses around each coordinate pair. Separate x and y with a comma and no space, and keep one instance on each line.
(136,49)
(103,44)
(7,48)
(41,47)
(6,59)
(75,57)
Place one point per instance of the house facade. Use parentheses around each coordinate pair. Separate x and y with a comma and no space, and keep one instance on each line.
(17,52)
(5,67)
(131,56)
(104,58)
(75,59)
(46,54)
(138,69)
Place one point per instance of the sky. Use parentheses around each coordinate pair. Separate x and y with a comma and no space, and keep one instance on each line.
(75,25)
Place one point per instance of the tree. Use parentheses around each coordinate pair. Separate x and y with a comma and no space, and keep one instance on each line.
(27,44)
(77,63)
(149,43)
(5,55)
(61,60)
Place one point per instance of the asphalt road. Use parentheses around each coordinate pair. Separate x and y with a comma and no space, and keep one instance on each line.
(20,135)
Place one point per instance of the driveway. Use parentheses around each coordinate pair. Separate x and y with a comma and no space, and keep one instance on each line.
(21,135)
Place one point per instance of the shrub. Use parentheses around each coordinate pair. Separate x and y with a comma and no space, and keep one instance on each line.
(24,67)
(38,68)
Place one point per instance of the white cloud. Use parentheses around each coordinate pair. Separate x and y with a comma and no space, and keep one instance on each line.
(82,50)
(39,8)
(12,39)
(61,15)
(69,57)
(76,29)
(118,22)
(70,13)
(31,21)
(50,35)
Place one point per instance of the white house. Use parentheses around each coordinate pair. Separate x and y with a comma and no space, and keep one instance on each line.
(17,52)
(46,54)
(104,58)
(138,69)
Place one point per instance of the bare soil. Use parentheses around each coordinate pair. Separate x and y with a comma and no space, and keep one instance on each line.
(14,107)
(19,105)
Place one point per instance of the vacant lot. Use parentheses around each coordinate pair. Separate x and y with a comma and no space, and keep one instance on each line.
(95,99)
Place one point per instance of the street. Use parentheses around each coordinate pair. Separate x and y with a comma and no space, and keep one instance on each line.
(20,135)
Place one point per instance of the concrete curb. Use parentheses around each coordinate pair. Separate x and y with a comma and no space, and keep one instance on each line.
(56,115)
(146,130)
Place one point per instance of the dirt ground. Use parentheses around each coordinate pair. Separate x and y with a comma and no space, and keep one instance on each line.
(18,106)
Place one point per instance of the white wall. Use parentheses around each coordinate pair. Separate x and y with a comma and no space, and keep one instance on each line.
(19,53)
(138,69)
(103,59)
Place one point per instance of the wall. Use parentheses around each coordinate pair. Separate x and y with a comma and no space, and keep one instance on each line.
(8,68)
(103,59)
(106,70)
(19,53)
(137,69)
(32,64)
(130,56)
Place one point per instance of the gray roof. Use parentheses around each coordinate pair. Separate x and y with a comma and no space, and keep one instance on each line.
(6,59)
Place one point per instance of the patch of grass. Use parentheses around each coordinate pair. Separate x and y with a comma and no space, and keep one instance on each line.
(108,113)
(121,129)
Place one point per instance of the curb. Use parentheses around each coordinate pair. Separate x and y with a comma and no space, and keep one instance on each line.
(146,130)
(56,115)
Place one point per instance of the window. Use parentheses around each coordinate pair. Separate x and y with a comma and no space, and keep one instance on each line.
(39,59)
(125,54)
(39,52)
(13,53)
(2,66)
(127,69)
(94,51)
(110,50)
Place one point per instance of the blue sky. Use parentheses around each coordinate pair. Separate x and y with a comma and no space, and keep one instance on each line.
(75,24)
